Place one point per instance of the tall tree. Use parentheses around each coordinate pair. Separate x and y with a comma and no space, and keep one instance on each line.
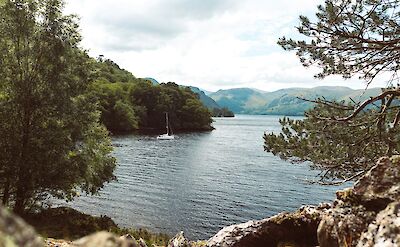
(348,38)
(51,139)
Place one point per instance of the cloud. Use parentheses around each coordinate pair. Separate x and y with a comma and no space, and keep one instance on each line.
(211,44)
(142,25)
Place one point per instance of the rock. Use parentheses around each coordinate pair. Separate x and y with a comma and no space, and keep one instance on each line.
(14,231)
(104,239)
(142,243)
(179,241)
(385,230)
(299,228)
(356,217)
(354,212)
(127,237)
(343,226)
(57,243)
(381,185)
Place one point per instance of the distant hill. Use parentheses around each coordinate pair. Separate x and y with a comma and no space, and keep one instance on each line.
(206,92)
(284,101)
(152,80)
(207,101)
(215,109)
(239,100)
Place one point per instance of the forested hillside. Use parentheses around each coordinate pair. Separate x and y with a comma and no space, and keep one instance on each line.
(128,103)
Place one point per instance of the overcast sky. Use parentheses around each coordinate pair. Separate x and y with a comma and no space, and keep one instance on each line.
(211,44)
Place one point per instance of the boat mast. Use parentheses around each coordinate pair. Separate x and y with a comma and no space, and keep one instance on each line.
(166,120)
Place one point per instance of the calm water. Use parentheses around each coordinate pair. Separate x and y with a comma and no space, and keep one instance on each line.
(201,182)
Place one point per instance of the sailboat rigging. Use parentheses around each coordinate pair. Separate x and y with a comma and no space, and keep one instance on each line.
(169,135)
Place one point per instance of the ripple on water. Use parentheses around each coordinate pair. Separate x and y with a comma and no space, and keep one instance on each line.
(201,182)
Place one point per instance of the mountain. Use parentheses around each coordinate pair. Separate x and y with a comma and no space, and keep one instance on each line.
(239,100)
(284,101)
(206,92)
(207,101)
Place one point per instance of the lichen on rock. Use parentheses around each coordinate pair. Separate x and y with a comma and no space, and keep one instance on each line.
(381,185)
(385,230)
(359,216)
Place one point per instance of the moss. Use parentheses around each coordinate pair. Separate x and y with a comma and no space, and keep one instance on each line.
(70,224)
(395,159)
(199,243)
(6,241)
(67,223)
(347,196)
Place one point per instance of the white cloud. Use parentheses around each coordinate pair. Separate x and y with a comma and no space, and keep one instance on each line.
(211,44)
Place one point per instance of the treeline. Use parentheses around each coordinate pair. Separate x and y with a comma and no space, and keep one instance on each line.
(128,103)
(222,112)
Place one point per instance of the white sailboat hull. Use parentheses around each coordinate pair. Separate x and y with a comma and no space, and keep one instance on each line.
(165,137)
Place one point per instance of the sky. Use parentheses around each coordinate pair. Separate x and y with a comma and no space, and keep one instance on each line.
(210,44)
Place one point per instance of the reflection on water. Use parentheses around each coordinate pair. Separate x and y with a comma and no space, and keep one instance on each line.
(201,182)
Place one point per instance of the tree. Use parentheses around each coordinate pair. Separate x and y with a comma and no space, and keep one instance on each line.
(348,38)
(117,113)
(51,139)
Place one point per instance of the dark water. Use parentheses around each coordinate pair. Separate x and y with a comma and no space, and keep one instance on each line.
(201,182)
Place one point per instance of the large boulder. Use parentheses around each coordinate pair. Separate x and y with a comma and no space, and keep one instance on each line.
(357,212)
(179,241)
(381,185)
(365,215)
(343,226)
(297,228)
(385,230)
(15,232)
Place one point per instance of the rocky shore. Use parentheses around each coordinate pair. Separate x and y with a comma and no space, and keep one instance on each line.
(365,215)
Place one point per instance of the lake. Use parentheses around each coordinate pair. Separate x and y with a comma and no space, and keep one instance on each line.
(201,182)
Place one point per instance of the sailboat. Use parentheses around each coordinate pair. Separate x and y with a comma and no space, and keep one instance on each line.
(169,135)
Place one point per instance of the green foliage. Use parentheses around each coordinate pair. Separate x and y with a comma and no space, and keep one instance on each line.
(350,38)
(194,115)
(107,70)
(117,113)
(339,149)
(140,104)
(51,139)
(343,140)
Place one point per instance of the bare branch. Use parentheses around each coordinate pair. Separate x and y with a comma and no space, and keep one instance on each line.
(328,103)
(345,180)
(395,92)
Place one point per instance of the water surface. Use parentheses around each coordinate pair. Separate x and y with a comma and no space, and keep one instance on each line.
(201,182)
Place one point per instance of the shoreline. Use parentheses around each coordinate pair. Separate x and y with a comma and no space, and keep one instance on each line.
(366,214)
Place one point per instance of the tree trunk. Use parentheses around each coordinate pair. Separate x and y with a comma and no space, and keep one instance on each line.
(24,176)
(6,192)
(19,207)
(20,199)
